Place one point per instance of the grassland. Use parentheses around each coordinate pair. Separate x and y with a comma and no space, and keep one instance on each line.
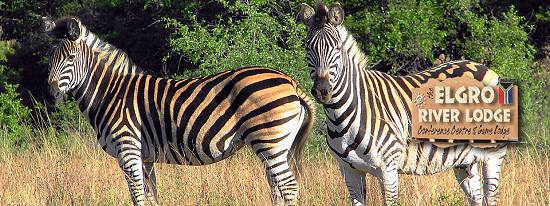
(79,173)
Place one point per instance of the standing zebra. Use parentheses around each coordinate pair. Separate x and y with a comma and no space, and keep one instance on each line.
(141,119)
(368,115)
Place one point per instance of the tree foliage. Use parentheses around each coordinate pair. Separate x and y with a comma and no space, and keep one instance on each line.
(13,116)
(254,38)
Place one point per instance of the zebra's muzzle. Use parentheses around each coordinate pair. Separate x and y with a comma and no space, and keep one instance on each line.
(55,91)
(322,91)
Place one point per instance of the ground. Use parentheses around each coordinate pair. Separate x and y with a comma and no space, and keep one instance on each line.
(82,174)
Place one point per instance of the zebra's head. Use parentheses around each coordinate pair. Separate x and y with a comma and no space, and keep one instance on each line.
(66,58)
(324,47)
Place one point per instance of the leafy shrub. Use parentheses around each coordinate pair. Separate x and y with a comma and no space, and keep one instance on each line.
(256,39)
(503,44)
(68,117)
(13,116)
(5,51)
(406,30)
(449,199)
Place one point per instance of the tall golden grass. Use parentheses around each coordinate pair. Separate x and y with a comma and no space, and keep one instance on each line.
(83,174)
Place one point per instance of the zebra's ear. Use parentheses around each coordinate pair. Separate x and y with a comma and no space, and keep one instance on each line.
(306,14)
(48,24)
(73,29)
(66,28)
(336,14)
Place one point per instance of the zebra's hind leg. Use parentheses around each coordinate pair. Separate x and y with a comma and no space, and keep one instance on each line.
(389,183)
(491,176)
(469,181)
(284,188)
(150,183)
(355,181)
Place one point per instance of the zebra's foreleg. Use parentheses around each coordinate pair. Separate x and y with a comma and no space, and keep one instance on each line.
(389,182)
(355,181)
(491,176)
(150,183)
(469,181)
(284,188)
(129,160)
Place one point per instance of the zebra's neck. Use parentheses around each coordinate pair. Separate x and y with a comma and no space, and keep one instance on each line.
(354,63)
(107,69)
(347,106)
(359,95)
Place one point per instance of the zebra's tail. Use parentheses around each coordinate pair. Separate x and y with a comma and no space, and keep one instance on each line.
(299,142)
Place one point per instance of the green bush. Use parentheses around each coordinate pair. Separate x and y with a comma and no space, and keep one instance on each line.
(503,44)
(410,31)
(406,30)
(258,39)
(13,116)
(5,72)
(68,117)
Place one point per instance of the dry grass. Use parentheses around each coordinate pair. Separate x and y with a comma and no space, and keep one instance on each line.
(85,175)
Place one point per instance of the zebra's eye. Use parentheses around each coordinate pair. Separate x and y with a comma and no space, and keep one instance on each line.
(71,57)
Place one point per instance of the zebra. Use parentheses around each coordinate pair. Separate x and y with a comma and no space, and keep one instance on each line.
(141,119)
(368,115)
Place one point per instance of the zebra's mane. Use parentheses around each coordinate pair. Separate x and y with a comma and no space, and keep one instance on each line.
(355,53)
(121,54)
(100,46)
